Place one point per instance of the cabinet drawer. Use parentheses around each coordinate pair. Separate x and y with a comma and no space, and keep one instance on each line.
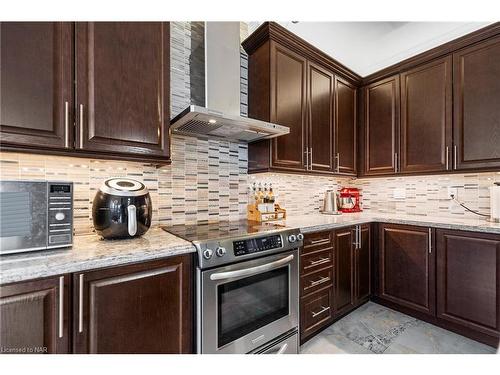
(315,261)
(315,281)
(316,311)
(317,241)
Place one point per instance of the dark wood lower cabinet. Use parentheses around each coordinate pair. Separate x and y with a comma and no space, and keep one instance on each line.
(335,276)
(316,283)
(344,267)
(468,280)
(138,308)
(34,316)
(362,260)
(407,267)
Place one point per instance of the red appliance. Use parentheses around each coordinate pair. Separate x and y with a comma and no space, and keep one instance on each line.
(349,200)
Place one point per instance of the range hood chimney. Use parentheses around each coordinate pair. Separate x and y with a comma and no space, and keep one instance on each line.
(220,118)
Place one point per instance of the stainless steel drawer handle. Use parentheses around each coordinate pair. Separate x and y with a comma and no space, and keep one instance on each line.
(61,306)
(430,241)
(323,309)
(283,348)
(66,124)
(252,270)
(323,240)
(80,303)
(319,261)
(320,281)
(455,157)
(81,125)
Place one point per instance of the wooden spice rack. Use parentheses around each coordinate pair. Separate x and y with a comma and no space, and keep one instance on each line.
(253,214)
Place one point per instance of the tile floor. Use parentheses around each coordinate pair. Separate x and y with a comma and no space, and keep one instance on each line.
(375,329)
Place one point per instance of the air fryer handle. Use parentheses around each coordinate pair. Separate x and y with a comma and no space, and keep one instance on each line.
(132,220)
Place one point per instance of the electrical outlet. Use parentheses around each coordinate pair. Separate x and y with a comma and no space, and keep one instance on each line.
(452,191)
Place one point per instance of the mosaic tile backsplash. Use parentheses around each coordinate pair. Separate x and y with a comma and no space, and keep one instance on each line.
(428,195)
(205,182)
(299,195)
(420,195)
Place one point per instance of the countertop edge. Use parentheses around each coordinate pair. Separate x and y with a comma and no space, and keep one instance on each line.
(44,270)
(452,226)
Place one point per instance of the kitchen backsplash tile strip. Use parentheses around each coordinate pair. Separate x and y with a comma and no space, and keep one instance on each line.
(205,182)
(424,195)
(298,194)
(428,195)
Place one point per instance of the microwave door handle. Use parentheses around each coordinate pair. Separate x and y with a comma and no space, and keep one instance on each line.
(132,220)
(252,270)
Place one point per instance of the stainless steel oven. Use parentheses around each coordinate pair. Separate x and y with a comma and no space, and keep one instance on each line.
(246,305)
(247,286)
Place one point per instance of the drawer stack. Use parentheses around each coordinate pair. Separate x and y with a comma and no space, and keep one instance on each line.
(316,283)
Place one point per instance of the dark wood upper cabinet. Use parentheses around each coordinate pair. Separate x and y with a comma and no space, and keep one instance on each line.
(36,101)
(293,84)
(476,105)
(426,117)
(407,267)
(320,84)
(468,280)
(123,88)
(34,316)
(344,270)
(381,126)
(345,126)
(138,308)
(288,107)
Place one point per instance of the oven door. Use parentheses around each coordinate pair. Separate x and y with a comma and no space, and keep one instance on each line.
(245,305)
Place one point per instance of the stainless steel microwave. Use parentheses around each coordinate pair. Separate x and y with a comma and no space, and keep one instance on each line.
(35,215)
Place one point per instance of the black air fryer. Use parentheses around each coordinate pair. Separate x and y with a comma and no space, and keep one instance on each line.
(122,208)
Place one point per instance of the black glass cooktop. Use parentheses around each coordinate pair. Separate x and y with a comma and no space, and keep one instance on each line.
(221,229)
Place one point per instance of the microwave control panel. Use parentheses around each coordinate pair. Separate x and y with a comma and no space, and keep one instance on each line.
(60,214)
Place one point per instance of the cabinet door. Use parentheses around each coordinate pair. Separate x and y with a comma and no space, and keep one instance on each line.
(123,87)
(476,108)
(426,117)
(140,308)
(407,267)
(381,126)
(36,84)
(468,280)
(288,107)
(344,270)
(320,124)
(34,316)
(363,264)
(345,126)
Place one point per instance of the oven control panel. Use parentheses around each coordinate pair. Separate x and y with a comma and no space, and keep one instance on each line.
(255,245)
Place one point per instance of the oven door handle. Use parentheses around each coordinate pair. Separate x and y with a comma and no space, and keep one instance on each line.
(252,270)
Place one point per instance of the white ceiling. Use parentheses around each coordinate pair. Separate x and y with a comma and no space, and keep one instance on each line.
(366,47)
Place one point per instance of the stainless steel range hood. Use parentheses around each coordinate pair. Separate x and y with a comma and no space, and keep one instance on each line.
(220,118)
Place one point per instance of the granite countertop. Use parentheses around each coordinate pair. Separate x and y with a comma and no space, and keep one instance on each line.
(90,252)
(316,222)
